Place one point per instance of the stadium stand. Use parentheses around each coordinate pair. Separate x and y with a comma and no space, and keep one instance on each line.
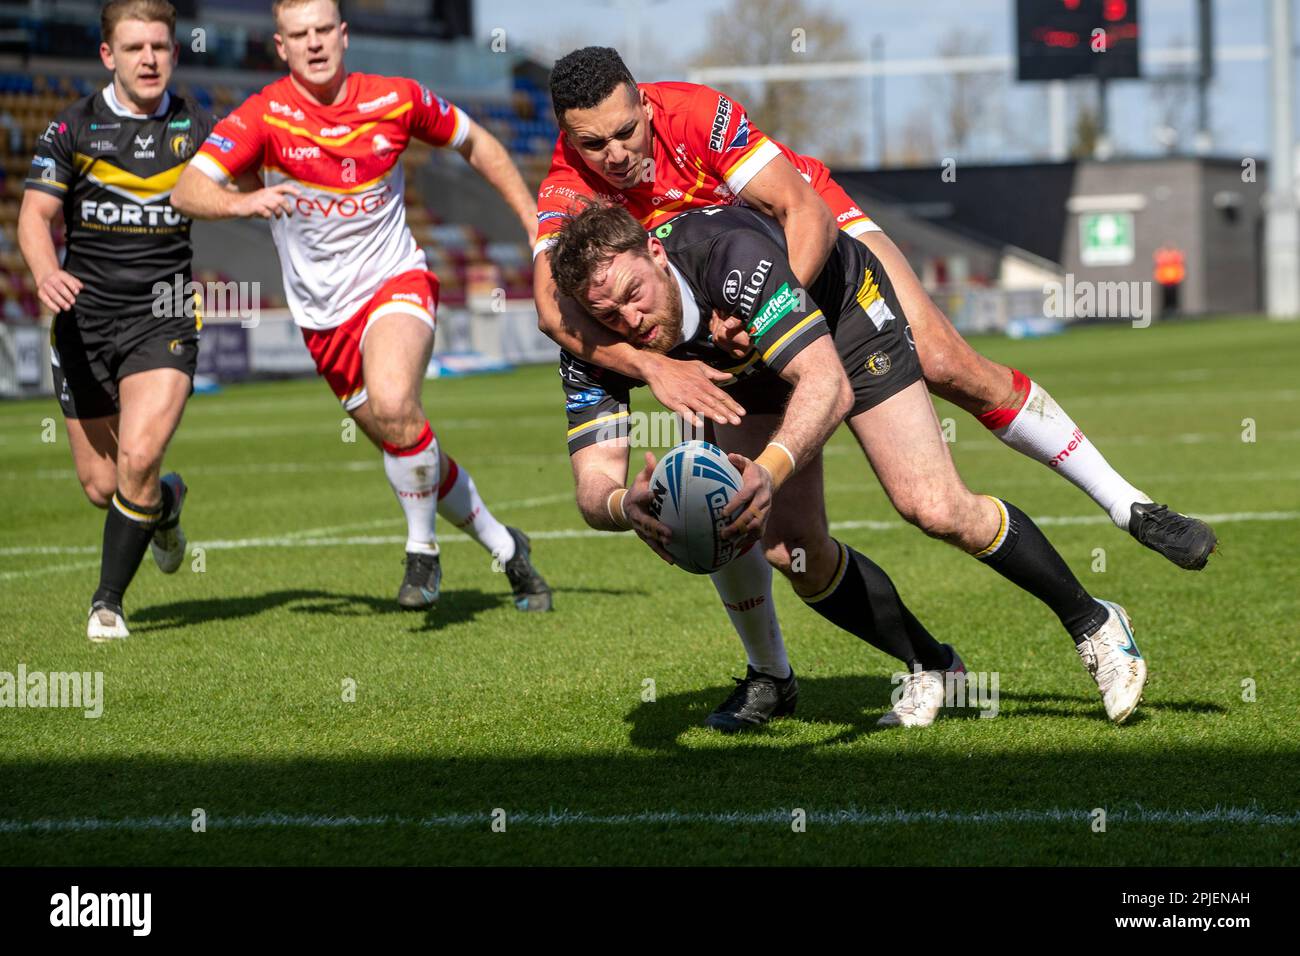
(464,256)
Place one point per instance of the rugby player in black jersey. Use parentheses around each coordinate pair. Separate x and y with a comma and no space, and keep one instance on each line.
(803,362)
(123,355)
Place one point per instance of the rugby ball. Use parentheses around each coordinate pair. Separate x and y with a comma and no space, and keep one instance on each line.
(688,490)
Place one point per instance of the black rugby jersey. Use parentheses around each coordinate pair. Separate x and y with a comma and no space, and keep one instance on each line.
(114,174)
(732,259)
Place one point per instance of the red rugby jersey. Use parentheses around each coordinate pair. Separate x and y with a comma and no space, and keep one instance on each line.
(705,151)
(347,234)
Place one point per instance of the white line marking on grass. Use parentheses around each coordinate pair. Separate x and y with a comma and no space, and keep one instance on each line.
(209,433)
(1186,438)
(834,451)
(51,569)
(1186,397)
(554,819)
(316,537)
(263,468)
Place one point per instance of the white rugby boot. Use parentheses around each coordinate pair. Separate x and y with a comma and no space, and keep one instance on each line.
(923,695)
(105,623)
(1112,658)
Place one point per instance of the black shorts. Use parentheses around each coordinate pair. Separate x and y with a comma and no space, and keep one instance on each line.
(90,356)
(879,360)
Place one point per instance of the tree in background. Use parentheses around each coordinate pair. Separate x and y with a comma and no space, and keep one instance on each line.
(815,117)
(965,104)
(914,144)
(1172,101)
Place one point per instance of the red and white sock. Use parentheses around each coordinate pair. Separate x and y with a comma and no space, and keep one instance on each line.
(413,473)
(459,503)
(1040,429)
(745,586)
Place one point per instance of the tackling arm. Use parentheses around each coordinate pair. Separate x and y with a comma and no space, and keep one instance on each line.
(810,232)
(685,387)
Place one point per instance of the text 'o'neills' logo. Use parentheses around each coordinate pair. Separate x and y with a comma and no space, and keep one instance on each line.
(371,105)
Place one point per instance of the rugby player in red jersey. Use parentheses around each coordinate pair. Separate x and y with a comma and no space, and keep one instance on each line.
(328,145)
(659,149)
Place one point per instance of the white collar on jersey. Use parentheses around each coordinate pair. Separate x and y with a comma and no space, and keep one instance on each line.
(116,105)
(690,311)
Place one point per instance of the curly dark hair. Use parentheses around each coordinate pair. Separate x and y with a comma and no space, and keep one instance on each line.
(589,240)
(583,78)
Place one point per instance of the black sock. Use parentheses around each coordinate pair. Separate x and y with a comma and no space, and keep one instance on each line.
(168,499)
(862,600)
(1024,556)
(127,530)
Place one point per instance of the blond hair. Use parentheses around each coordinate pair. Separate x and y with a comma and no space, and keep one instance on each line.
(150,11)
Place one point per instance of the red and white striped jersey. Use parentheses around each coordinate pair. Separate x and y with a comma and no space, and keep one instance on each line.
(347,234)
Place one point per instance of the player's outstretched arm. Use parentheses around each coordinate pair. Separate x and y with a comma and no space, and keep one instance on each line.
(56,289)
(489,159)
(600,471)
(198,196)
(810,231)
(685,387)
(818,403)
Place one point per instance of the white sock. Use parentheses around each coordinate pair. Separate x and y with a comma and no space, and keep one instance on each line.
(459,503)
(413,473)
(1042,431)
(745,586)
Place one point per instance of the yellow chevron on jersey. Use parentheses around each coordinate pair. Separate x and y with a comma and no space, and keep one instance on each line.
(334,141)
(126,184)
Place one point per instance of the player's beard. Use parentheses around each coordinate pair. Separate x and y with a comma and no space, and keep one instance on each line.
(670,326)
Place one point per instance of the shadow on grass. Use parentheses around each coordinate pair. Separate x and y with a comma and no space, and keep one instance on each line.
(860,701)
(673,766)
(700,773)
(454,607)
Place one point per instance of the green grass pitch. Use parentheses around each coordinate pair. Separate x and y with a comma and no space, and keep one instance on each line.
(228,696)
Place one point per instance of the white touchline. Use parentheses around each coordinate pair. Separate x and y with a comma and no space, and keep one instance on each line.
(309,539)
(833,817)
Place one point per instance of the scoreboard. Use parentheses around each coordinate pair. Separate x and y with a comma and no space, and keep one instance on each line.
(1060,39)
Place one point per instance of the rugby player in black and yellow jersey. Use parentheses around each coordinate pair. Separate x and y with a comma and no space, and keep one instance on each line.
(123,355)
(848,343)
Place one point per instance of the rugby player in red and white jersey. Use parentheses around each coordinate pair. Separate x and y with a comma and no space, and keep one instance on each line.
(328,144)
(659,149)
